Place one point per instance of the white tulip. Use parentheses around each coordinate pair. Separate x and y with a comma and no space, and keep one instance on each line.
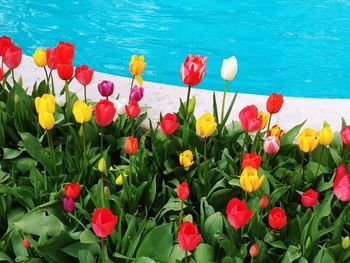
(60,100)
(229,68)
(120,106)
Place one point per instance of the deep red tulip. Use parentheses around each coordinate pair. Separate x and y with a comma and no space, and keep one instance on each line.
(345,135)
(52,58)
(68,204)
(169,124)
(277,218)
(238,213)
(106,88)
(13,57)
(72,190)
(183,191)
(309,198)
(248,117)
(254,250)
(84,74)
(188,236)
(103,222)
(131,145)
(65,52)
(65,71)
(5,43)
(251,159)
(133,109)
(136,93)
(274,103)
(341,184)
(264,202)
(1,74)
(193,69)
(104,112)
(25,243)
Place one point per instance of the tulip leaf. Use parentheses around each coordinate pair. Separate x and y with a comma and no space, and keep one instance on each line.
(292,254)
(144,260)
(177,254)
(88,237)
(289,137)
(204,253)
(212,226)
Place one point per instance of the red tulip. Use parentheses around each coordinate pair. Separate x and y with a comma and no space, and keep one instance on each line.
(65,52)
(264,202)
(131,145)
(345,135)
(188,236)
(238,213)
(341,184)
(254,250)
(251,159)
(5,43)
(65,71)
(1,74)
(309,198)
(25,243)
(169,124)
(84,74)
(52,58)
(13,57)
(103,222)
(104,112)
(183,191)
(72,190)
(133,109)
(274,103)
(193,70)
(248,117)
(277,218)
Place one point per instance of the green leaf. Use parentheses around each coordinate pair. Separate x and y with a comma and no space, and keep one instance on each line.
(292,254)
(204,253)
(88,237)
(86,256)
(289,137)
(177,254)
(324,256)
(336,157)
(144,260)
(6,258)
(213,225)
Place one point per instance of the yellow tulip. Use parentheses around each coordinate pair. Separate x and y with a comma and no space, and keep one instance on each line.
(275,131)
(265,119)
(186,159)
(39,57)
(101,165)
(82,112)
(345,242)
(307,140)
(119,179)
(137,66)
(45,103)
(325,136)
(206,125)
(249,179)
(46,120)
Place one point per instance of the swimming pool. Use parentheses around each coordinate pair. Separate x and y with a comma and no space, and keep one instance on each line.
(296,47)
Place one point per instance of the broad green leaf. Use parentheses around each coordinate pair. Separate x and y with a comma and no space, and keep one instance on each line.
(204,253)
(292,254)
(212,226)
(289,137)
(88,237)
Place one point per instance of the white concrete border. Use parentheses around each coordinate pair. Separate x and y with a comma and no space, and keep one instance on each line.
(165,98)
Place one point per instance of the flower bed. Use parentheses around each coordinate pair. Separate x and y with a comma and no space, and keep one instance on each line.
(81,181)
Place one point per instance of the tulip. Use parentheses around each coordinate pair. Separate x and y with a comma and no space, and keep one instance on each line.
(72,190)
(309,198)
(65,71)
(65,53)
(60,100)
(133,109)
(251,159)
(264,119)
(106,88)
(119,179)
(249,119)
(137,66)
(192,105)
(1,74)
(193,70)
(68,204)
(12,57)
(120,105)
(131,145)
(101,166)
(341,184)
(51,58)
(254,250)
(345,242)
(277,218)
(39,57)
(84,74)
(188,236)
(345,135)
(136,93)
(186,159)
(168,124)
(183,191)
(25,243)
(307,140)
(275,131)
(104,112)
(271,145)
(229,68)
(206,125)
(103,222)
(238,213)
(45,103)
(81,111)
(274,103)
(46,120)
(325,136)
(5,43)
(249,180)
(264,202)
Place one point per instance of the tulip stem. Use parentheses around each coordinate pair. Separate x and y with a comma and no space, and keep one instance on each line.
(319,163)
(13,76)
(52,151)
(269,123)
(132,84)
(85,93)
(102,251)
(223,102)
(186,255)
(187,102)
(181,211)
(67,93)
(47,79)
(130,169)
(84,150)
(101,141)
(346,149)
(205,149)
(52,84)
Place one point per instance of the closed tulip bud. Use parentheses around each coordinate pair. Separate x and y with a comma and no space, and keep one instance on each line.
(309,198)
(60,100)
(137,66)
(192,105)
(254,250)
(106,191)
(229,68)
(193,69)
(46,120)
(274,103)
(82,112)
(298,208)
(12,57)
(168,124)
(271,145)
(136,93)
(17,99)
(81,131)
(25,243)
(206,125)
(186,159)
(133,109)
(345,242)
(68,204)
(249,180)
(345,135)
(106,88)
(102,165)
(65,71)
(39,57)
(264,202)
(183,191)
(131,145)
(307,140)
(83,74)
(325,136)
(264,119)
(119,179)
(308,242)
(45,103)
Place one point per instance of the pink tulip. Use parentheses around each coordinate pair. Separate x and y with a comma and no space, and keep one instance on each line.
(271,145)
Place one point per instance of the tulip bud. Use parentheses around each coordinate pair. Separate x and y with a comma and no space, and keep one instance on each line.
(68,204)
(120,106)
(101,165)
(264,119)
(345,135)
(271,145)
(119,179)
(345,242)
(60,100)
(136,93)
(308,242)
(106,88)
(183,191)
(39,57)
(264,202)
(25,243)
(298,208)
(17,99)
(81,131)
(192,105)
(229,68)
(106,191)
(254,250)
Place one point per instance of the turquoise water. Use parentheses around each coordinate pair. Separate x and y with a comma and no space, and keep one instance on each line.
(297,48)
